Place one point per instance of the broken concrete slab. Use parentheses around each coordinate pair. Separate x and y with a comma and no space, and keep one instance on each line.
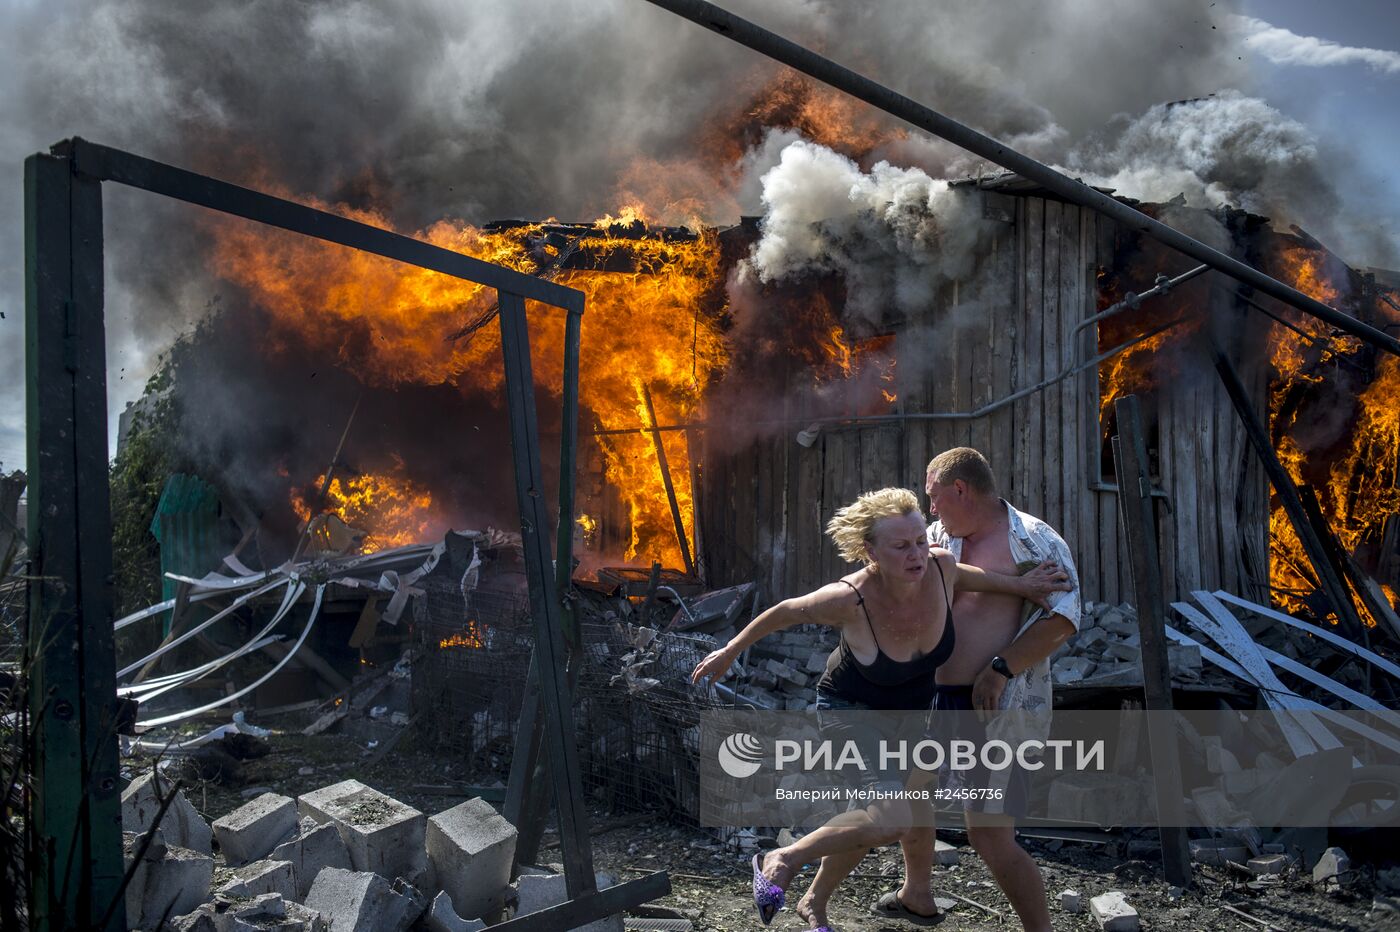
(362,901)
(382,834)
(315,847)
(442,917)
(182,825)
(1113,912)
(945,854)
(260,878)
(169,881)
(240,914)
(252,830)
(471,846)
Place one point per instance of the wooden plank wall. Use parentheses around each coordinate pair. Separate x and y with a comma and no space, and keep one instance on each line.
(1012,325)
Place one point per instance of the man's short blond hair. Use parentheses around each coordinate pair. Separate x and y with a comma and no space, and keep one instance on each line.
(853,526)
(966,464)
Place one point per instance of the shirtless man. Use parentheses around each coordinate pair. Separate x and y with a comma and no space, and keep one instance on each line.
(1000,661)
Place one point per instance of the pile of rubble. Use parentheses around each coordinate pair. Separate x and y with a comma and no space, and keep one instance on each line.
(1107,652)
(343,857)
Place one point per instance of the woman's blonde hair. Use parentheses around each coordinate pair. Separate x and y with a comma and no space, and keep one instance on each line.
(853,526)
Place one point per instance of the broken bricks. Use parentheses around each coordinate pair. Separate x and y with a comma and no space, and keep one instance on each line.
(1113,912)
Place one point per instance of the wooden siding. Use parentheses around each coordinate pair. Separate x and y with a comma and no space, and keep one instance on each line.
(765,505)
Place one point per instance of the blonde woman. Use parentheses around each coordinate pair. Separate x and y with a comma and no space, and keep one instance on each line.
(895,620)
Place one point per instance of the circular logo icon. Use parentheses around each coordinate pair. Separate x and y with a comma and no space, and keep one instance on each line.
(741,755)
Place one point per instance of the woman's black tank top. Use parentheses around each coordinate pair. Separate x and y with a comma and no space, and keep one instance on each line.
(886,683)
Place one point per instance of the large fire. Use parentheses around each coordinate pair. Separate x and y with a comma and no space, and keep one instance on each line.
(1359,491)
(392,324)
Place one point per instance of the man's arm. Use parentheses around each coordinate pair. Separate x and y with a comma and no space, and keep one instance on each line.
(1040,640)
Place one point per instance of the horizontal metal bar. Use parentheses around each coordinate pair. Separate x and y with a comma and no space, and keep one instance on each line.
(108,164)
(1077,192)
(1133,301)
(989,408)
(594,906)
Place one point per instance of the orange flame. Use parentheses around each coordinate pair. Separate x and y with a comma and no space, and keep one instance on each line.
(394,324)
(389,507)
(470,637)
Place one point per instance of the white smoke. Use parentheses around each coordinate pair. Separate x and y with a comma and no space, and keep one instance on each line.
(1228,148)
(1284,47)
(894,234)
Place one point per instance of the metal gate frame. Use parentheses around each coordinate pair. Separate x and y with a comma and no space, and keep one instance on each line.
(75,858)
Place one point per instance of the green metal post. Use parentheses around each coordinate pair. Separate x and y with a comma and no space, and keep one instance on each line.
(75,864)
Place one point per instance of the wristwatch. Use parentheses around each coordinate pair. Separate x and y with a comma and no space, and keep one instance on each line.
(1000,665)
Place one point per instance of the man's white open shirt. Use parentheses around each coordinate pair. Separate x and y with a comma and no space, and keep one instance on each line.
(1031,540)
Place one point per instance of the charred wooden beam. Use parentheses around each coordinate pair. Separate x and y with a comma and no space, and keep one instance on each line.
(666,481)
(1332,586)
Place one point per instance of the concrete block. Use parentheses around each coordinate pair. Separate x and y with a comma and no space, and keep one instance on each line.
(1124,651)
(1071,901)
(1219,759)
(262,877)
(382,834)
(1113,912)
(816,664)
(1069,670)
(182,824)
(540,891)
(252,830)
(1115,674)
(470,847)
(1086,639)
(169,881)
(361,901)
(443,918)
(1332,866)
(1184,660)
(314,848)
(1268,865)
(1217,851)
(945,854)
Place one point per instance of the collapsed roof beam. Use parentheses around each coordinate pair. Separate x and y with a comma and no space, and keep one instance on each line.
(844,79)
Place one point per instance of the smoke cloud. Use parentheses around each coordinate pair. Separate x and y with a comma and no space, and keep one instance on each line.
(432,110)
(1284,47)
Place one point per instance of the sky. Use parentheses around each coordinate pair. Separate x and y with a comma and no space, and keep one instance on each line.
(113,70)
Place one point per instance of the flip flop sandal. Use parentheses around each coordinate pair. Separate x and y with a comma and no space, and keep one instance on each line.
(890,907)
(767,896)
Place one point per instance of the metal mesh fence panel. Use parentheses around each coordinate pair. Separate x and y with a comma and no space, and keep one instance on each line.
(636,713)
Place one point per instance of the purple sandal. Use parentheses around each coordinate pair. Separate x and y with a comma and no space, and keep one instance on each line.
(767,896)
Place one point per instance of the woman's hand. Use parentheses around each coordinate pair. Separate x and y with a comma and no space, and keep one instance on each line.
(714,667)
(1047,578)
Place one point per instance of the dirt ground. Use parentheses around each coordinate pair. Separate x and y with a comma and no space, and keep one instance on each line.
(711,882)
